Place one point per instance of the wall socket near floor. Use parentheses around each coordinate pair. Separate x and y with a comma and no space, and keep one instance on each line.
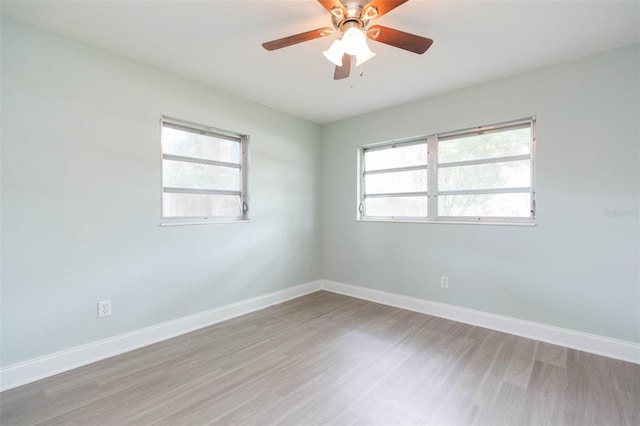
(444,282)
(104,308)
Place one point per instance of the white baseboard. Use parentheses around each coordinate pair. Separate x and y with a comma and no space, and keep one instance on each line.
(25,372)
(612,348)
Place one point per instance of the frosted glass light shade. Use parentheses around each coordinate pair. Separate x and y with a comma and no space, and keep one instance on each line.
(367,54)
(335,53)
(354,41)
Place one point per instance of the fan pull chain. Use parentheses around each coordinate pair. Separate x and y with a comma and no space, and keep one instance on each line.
(351,83)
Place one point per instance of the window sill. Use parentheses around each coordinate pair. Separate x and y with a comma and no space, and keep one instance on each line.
(448,222)
(204,222)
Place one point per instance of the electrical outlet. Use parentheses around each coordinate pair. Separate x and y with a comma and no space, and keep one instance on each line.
(104,308)
(444,282)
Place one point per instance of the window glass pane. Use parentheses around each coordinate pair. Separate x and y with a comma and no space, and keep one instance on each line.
(396,206)
(201,205)
(485,205)
(180,174)
(387,183)
(401,156)
(187,144)
(510,174)
(488,145)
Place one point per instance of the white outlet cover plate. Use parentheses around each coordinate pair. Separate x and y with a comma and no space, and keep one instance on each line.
(104,308)
(444,282)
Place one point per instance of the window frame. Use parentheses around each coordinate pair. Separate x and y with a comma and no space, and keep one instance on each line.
(433,166)
(362,173)
(202,129)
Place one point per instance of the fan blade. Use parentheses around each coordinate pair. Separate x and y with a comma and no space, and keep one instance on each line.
(330,5)
(396,38)
(344,70)
(297,38)
(377,8)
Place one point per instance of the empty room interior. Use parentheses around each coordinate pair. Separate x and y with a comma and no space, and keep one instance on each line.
(345,212)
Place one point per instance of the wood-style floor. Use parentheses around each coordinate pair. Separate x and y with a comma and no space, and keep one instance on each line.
(331,359)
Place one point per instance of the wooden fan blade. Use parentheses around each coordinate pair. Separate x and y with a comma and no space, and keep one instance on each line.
(396,38)
(297,38)
(344,70)
(382,7)
(330,4)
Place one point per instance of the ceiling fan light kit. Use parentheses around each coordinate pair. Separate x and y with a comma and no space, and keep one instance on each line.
(353,43)
(351,18)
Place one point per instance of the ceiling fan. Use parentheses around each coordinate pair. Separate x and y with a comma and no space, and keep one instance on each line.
(351,18)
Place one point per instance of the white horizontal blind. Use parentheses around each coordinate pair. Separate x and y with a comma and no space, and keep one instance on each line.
(485,174)
(203,173)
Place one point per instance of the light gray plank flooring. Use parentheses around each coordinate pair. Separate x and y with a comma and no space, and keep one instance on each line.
(331,359)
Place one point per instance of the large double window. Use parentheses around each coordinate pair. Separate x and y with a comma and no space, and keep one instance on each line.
(204,173)
(484,174)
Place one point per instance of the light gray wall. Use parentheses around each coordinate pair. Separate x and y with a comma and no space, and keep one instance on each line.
(81,198)
(577,269)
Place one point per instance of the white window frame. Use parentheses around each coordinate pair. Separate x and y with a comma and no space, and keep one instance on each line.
(188,126)
(432,167)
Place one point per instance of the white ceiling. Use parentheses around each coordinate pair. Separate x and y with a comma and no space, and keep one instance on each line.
(219,43)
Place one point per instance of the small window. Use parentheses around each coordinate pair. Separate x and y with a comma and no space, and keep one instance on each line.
(204,174)
(395,181)
(477,175)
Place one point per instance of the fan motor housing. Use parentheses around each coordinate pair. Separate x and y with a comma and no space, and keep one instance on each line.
(352,15)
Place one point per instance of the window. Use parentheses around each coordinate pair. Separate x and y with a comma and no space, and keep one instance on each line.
(204,174)
(483,175)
